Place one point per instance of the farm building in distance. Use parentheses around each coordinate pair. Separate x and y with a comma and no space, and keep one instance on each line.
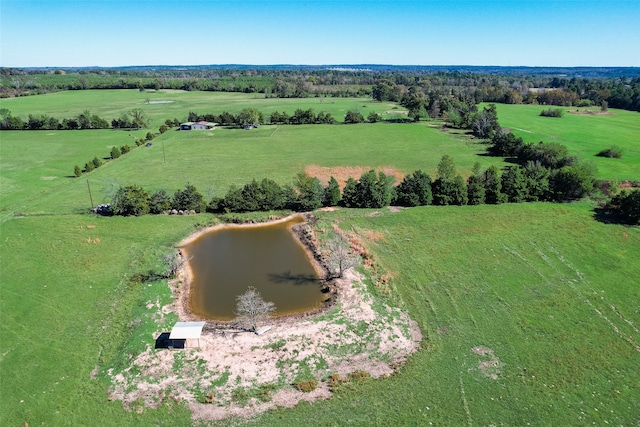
(197,125)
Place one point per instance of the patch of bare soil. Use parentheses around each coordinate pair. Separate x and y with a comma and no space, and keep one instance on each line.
(343,173)
(491,365)
(591,112)
(237,373)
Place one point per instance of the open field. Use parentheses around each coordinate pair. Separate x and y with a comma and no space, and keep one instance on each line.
(585,135)
(529,312)
(560,322)
(167,104)
(212,161)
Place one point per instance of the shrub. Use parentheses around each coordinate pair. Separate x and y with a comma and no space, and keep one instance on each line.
(573,182)
(335,381)
(614,152)
(353,116)
(628,203)
(552,112)
(149,136)
(188,199)
(331,193)
(88,167)
(359,375)
(159,202)
(131,200)
(414,190)
(310,192)
(306,386)
(125,149)
(96,162)
(373,117)
(163,128)
(77,171)
(115,152)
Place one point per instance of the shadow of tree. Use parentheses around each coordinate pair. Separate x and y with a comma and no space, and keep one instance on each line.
(608,215)
(296,279)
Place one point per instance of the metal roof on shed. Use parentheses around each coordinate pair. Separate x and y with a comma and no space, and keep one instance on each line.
(186,330)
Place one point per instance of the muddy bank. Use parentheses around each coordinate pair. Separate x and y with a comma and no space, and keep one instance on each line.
(305,237)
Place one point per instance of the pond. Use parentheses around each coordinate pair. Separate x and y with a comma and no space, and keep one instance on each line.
(227,260)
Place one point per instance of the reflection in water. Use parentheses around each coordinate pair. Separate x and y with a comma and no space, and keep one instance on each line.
(225,262)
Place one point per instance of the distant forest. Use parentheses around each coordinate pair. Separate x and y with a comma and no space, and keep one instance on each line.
(413,86)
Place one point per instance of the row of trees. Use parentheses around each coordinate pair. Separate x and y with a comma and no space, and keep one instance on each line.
(134,119)
(372,190)
(249,116)
(114,154)
(84,120)
(133,200)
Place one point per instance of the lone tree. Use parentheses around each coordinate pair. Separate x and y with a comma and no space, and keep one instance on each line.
(340,258)
(251,308)
(174,262)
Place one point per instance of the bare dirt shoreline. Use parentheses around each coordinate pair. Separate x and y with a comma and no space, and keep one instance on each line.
(181,287)
(242,374)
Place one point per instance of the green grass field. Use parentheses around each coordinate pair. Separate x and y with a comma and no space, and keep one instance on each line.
(212,161)
(169,104)
(546,295)
(585,135)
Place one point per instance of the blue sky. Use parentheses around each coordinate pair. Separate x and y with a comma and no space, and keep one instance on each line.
(63,33)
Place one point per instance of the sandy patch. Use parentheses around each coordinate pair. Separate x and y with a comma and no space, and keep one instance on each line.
(233,367)
(491,365)
(343,173)
(242,374)
(590,112)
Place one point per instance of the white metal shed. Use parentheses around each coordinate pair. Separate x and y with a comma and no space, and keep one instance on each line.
(187,331)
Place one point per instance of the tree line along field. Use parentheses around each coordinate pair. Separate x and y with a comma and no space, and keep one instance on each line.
(540,296)
(166,103)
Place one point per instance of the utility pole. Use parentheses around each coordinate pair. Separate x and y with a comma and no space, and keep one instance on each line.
(90,197)
(164,158)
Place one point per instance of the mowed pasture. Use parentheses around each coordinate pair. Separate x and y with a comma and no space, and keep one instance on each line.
(168,104)
(211,160)
(529,312)
(584,134)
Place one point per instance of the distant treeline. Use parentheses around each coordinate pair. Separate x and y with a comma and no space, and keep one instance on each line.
(619,87)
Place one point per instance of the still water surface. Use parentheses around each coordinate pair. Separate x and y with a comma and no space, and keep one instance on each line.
(228,260)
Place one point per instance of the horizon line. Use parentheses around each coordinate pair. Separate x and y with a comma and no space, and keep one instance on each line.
(354,65)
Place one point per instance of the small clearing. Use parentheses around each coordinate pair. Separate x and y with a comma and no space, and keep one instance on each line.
(590,112)
(490,367)
(343,173)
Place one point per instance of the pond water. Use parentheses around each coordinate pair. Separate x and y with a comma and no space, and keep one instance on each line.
(226,261)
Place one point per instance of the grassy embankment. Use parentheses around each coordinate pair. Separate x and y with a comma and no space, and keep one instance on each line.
(547,289)
(585,135)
